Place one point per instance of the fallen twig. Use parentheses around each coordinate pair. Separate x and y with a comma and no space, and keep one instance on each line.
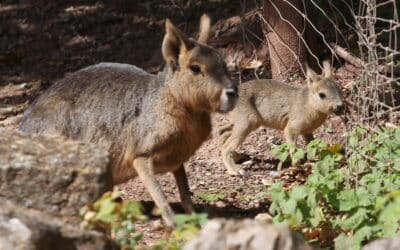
(357,62)
(344,54)
(11,121)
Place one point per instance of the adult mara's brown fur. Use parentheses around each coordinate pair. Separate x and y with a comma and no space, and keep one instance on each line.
(273,104)
(149,123)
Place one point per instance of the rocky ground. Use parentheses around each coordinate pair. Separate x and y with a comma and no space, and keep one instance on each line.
(41,42)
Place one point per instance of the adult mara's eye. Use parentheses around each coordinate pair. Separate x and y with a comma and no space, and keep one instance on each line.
(322,95)
(195,69)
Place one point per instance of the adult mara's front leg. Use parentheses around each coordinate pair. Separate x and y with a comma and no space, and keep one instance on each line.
(145,171)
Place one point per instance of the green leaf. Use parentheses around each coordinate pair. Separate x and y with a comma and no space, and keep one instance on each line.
(348,200)
(317,217)
(297,218)
(342,242)
(107,211)
(274,208)
(277,191)
(298,193)
(335,149)
(289,206)
(355,220)
(211,197)
(389,217)
(131,209)
(353,141)
(298,155)
(364,197)
(194,219)
(314,148)
(312,199)
(313,180)
(363,233)
(283,156)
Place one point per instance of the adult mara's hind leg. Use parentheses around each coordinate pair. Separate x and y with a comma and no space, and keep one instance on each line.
(144,169)
(183,188)
(229,155)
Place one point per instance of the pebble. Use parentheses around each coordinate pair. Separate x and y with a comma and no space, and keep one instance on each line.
(263,218)
(274,173)
(220,204)
(157,224)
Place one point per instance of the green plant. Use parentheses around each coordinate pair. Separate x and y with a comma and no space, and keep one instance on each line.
(350,199)
(115,217)
(187,226)
(285,152)
(211,197)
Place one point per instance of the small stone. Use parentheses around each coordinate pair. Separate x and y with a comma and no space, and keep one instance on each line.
(274,173)
(157,225)
(249,162)
(220,204)
(267,182)
(263,218)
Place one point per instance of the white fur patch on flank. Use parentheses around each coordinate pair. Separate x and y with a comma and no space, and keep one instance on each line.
(119,66)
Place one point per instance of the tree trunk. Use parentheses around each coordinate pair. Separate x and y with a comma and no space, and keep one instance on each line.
(287,51)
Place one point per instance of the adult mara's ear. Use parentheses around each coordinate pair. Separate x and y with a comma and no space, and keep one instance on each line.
(174,43)
(327,71)
(311,76)
(205,24)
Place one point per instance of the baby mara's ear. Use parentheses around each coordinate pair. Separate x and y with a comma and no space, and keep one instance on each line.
(327,70)
(175,43)
(205,28)
(311,75)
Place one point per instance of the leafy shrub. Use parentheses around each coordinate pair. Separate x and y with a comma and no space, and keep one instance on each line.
(349,199)
(187,227)
(116,218)
(211,197)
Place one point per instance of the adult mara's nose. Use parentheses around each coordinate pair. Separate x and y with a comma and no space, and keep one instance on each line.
(232,92)
(338,108)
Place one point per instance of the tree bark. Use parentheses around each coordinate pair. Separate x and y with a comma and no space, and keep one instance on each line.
(286,48)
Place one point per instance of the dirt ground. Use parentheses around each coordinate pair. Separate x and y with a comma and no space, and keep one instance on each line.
(42,41)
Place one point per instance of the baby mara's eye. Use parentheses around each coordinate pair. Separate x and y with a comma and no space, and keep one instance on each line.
(322,95)
(195,69)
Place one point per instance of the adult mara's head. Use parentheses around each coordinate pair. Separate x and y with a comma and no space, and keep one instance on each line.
(199,73)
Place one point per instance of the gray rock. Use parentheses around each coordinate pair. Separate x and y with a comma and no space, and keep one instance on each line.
(14,234)
(245,234)
(50,173)
(384,244)
(28,229)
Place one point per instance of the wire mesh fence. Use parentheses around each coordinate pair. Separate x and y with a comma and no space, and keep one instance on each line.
(362,34)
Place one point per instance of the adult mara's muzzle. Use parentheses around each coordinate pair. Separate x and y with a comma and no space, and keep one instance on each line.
(338,109)
(228,99)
